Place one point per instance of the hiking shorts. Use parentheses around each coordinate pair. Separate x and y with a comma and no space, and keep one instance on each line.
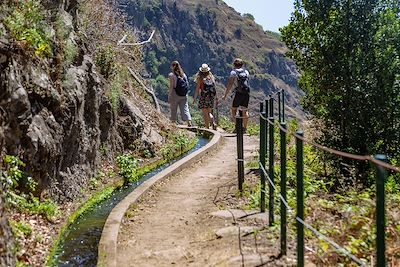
(241,100)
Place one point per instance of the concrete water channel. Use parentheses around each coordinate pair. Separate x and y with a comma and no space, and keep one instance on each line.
(81,239)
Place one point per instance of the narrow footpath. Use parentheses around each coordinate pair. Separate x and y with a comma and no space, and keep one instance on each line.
(195,219)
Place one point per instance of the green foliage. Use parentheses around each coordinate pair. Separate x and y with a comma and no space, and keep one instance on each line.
(253,129)
(248,16)
(152,62)
(226,124)
(161,87)
(275,35)
(348,53)
(95,180)
(106,60)
(119,81)
(16,178)
(178,143)
(26,23)
(70,52)
(20,188)
(104,149)
(128,166)
(20,229)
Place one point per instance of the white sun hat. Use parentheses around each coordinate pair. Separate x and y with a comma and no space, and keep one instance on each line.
(204,68)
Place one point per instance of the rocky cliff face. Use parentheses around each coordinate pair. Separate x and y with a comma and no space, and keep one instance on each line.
(56,118)
(210,31)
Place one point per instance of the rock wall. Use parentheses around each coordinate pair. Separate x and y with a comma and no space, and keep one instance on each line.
(57,125)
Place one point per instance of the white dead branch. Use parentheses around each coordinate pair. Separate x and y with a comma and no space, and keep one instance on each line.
(150,92)
(122,41)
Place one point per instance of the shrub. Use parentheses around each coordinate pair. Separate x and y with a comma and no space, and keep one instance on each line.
(128,167)
(19,188)
(105,60)
(26,23)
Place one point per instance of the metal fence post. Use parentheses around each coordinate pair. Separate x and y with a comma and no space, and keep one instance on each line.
(267,124)
(380,212)
(271,162)
(283,105)
(279,107)
(283,191)
(300,199)
(239,140)
(263,140)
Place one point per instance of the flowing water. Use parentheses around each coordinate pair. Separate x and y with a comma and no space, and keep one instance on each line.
(83,236)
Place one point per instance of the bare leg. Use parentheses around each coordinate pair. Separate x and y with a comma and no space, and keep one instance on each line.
(206,117)
(233,113)
(245,118)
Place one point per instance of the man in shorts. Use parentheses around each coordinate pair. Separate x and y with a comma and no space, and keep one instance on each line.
(241,99)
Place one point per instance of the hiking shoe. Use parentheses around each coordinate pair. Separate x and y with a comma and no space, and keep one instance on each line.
(244,130)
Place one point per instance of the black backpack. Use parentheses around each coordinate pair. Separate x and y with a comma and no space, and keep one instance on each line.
(243,86)
(209,87)
(182,86)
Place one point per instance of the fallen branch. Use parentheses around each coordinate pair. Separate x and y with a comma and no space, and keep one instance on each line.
(122,41)
(150,92)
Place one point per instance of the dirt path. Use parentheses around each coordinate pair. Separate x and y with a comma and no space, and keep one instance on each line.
(191,220)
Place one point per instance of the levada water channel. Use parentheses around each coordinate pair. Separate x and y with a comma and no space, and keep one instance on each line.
(81,239)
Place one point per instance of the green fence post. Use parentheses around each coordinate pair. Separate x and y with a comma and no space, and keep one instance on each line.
(267,125)
(300,199)
(380,212)
(279,107)
(239,141)
(263,140)
(271,162)
(283,191)
(283,105)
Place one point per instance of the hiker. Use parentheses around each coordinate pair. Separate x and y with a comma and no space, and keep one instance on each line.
(205,89)
(239,82)
(178,89)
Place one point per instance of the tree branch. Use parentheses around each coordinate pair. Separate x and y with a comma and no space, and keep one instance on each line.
(150,92)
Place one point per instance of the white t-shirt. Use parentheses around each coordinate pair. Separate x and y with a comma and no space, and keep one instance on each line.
(234,74)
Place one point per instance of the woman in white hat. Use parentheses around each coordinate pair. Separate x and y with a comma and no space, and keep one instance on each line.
(205,88)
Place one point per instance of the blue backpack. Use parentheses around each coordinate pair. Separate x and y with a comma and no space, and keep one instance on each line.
(182,86)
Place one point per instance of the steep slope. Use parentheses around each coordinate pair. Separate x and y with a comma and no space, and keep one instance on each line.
(210,31)
(57,112)
(68,107)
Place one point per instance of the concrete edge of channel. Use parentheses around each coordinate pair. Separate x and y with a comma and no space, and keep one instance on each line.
(107,250)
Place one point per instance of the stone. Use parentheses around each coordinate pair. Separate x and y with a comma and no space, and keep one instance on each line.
(234,231)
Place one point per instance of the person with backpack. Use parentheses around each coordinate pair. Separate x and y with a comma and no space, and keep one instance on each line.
(239,82)
(177,97)
(205,89)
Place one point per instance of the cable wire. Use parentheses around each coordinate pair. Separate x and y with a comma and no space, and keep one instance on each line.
(321,236)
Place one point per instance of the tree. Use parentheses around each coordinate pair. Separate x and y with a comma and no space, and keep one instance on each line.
(348,53)
(248,16)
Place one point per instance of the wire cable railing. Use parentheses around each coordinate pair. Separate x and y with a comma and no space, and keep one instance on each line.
(267,130)
(321,236)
